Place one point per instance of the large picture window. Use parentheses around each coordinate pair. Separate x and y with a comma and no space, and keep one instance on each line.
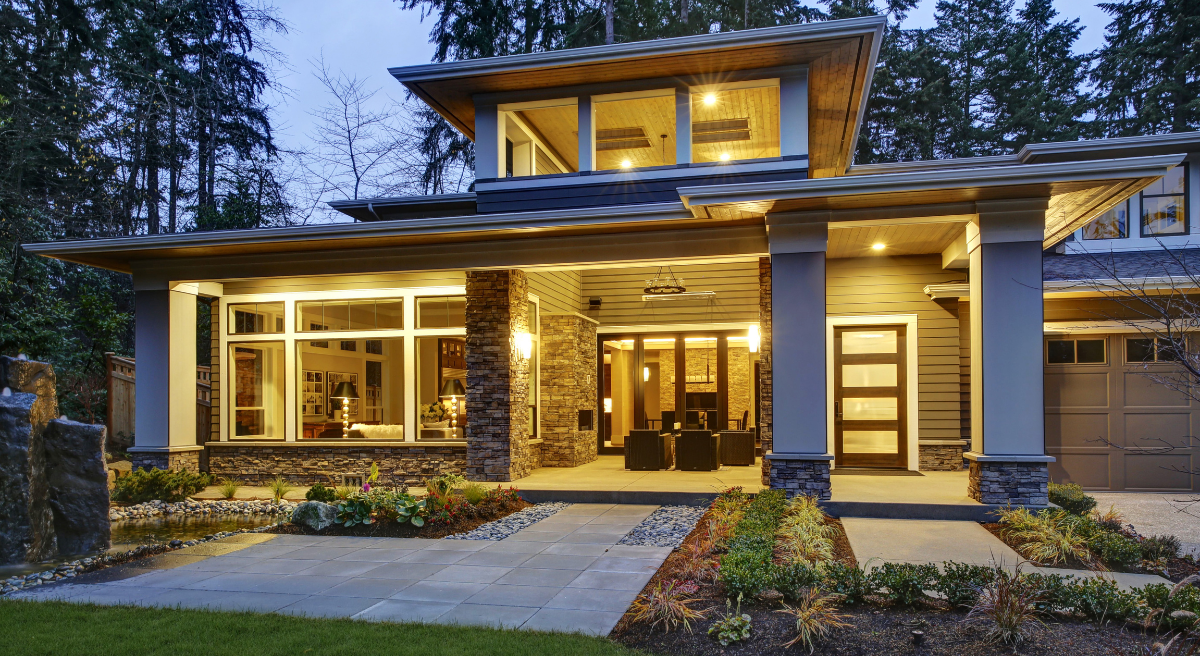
(738,123)
(375,369)
(635,130)
(441,362)
(258,389)
(540,138)
(1164,204)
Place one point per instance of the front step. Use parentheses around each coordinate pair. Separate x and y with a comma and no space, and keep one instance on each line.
(648,497)
(969,512)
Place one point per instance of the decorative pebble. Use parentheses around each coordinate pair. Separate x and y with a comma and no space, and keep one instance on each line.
(201,507)
(665,527)
(506,526)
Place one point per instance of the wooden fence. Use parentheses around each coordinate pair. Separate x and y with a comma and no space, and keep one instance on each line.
(122,376)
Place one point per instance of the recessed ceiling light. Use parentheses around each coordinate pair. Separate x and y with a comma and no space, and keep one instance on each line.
(724,157)
(626,163)
(878,247)
(710,99)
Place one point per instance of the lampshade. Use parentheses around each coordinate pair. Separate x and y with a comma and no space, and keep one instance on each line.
(453,387)
(344,390)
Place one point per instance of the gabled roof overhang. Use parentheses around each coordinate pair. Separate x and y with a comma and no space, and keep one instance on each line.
(840,57)
(1077,191)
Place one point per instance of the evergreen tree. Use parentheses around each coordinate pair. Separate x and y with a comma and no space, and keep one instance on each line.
(1147,75)
(970,39)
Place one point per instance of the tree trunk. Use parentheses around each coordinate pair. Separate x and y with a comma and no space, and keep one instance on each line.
(173,190)
(608,22)
(683,11)
(153,222)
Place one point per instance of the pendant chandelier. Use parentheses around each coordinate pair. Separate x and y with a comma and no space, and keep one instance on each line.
(668,284)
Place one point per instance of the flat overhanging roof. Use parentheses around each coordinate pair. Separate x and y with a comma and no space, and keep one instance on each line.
(840,56)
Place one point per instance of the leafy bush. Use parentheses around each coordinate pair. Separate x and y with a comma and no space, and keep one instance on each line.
(666,605)
(804,533)
(733,627)
(961,583)
(816,617)
(1008,607)
(794,579)
(1115,549)
(1099,599)
(158,484)
(1057,592)
(747,568)
(229,487)
(1070,497)
(905,583)
(370,506)
(474,493)
(852,583)
(1160,546)
(746,572)
(1049,536)
(321,493)
(1171,607)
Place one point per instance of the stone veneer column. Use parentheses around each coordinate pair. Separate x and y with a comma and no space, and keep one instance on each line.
(497,403)
(764,363)
(568,386)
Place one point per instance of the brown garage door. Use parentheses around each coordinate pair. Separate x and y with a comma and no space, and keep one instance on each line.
(1093,394)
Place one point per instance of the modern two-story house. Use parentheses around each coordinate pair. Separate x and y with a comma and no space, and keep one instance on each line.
(661,233)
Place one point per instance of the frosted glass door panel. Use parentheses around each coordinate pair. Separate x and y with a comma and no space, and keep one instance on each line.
(870,441)
(868,375)
(870,409)
(875,341)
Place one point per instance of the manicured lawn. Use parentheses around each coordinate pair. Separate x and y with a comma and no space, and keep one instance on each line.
(64,629)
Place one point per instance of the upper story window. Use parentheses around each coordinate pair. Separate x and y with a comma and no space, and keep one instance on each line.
(635,130)
(735,122)
(540,138)
(365,314)
(1164,204)
(255,318)
(1113,224)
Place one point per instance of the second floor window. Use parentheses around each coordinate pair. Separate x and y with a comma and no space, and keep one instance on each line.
(1164,204)
(1113,224)
(735,122)
(635,130)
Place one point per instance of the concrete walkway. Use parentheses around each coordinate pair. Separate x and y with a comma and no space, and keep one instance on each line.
(934,541)
(565,573)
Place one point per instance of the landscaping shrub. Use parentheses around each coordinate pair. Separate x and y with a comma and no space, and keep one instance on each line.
(666,605)
(1057,592)
(474,493)
(158,484)
(746,572)
(321,493)
(904,583)
(733,627)
(961,583)
(1160,546)
(279,486)
(804,533)
(1008,606)
(370,506)
(1048,537)
(1070,497)
(1172,607)
(698,564)
(1099,599)
(794,579)
(851,582)
(816,617)
(1116,550)
(747,568)
(229,487)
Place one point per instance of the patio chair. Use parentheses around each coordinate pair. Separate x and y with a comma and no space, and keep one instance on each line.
(691,420)
(710,421)
(737,448)
(697,450)
(648,450)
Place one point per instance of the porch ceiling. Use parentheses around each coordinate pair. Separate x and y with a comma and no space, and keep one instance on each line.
(897,239)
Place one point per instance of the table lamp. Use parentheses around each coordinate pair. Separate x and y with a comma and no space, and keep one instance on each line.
(346,392)
(452,389)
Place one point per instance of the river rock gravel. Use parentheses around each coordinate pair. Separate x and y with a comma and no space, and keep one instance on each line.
(665,527)
(506,526)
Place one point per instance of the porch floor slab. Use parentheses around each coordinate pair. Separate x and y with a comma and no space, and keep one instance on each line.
(607,481)
(573,577)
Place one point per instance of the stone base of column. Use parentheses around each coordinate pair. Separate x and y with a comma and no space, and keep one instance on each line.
(175,460)
(941,457)
(1009,483)
(800,477)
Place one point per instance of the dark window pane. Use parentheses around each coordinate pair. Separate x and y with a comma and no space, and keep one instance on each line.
(1060,351)
(1166,353)
(1089,351)
(374,346)
(1138,349)
(251,318)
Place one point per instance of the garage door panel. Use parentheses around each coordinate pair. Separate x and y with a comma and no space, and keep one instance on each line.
(1064,389)
(1146,429)
(1076,429)
(1141,391)
(1157,471)
(1089,470)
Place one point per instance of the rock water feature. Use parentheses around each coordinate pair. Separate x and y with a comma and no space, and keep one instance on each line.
(53,484)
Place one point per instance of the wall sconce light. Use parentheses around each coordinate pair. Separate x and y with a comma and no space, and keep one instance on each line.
(645,374)
(524,345)
(755,339)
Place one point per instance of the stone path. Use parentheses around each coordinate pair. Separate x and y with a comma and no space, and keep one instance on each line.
(938,541)
(565,573)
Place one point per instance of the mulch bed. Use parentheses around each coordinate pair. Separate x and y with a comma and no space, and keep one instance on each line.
(485,512)
(874,629)
(1176,569)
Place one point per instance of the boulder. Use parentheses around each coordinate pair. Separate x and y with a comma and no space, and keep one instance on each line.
(26,523)
(78,480)
(314,514)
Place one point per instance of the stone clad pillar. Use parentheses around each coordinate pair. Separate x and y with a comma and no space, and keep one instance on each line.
(1008,461)
(568,386)
(497,402)
(794,350)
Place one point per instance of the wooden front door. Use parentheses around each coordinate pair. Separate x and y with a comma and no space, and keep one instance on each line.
(869,397)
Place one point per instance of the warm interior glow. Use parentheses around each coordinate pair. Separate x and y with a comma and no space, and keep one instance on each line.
(626,163)
(754,339)
(646,374)
(878,247)
(524,345)
(724,157)
(710,99)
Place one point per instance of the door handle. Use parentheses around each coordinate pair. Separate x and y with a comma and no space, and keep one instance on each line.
(837,409)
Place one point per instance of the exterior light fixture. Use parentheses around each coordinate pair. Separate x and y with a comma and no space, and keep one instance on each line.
(626,163)
(346,392)
(877,247)
(754,338)
(710,99)
(452,389)
(524,345)
(724,157)
(645,374)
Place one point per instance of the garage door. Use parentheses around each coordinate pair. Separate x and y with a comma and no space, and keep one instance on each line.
(1095,396)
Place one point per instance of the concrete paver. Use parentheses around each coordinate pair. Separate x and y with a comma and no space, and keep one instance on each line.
(876,541)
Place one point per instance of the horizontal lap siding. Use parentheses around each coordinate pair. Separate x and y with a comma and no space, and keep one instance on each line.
(736,285)
(895,285)
(559,291)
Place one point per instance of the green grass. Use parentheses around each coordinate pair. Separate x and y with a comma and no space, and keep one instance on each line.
(64,629)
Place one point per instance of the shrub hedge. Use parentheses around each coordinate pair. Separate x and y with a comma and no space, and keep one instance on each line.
(1070,497)
(158,484)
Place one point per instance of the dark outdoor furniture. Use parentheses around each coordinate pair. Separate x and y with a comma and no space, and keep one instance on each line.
(737,448)
(710,420)
(668,421)
(648,450)
(697,450)
(691,420)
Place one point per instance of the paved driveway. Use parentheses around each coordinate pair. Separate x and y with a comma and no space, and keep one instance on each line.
(565,573)
(1156,513)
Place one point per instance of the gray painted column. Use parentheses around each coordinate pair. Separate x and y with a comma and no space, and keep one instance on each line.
(587,143)
(793,115)
(165,350)
(683,125)
(488,137)
(1007,407)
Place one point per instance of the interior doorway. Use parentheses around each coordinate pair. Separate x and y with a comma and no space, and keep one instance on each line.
(870,402)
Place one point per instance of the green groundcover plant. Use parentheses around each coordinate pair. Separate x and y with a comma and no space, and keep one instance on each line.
(158,484)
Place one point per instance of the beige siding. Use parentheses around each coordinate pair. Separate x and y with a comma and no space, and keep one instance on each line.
(736,285)
(559,291)
(335,283)
(894,285)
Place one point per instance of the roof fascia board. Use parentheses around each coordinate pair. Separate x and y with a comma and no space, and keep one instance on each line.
(872,61)
(935,164)
(404,201)
(1132,167)
(1185,141)
(853,27)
